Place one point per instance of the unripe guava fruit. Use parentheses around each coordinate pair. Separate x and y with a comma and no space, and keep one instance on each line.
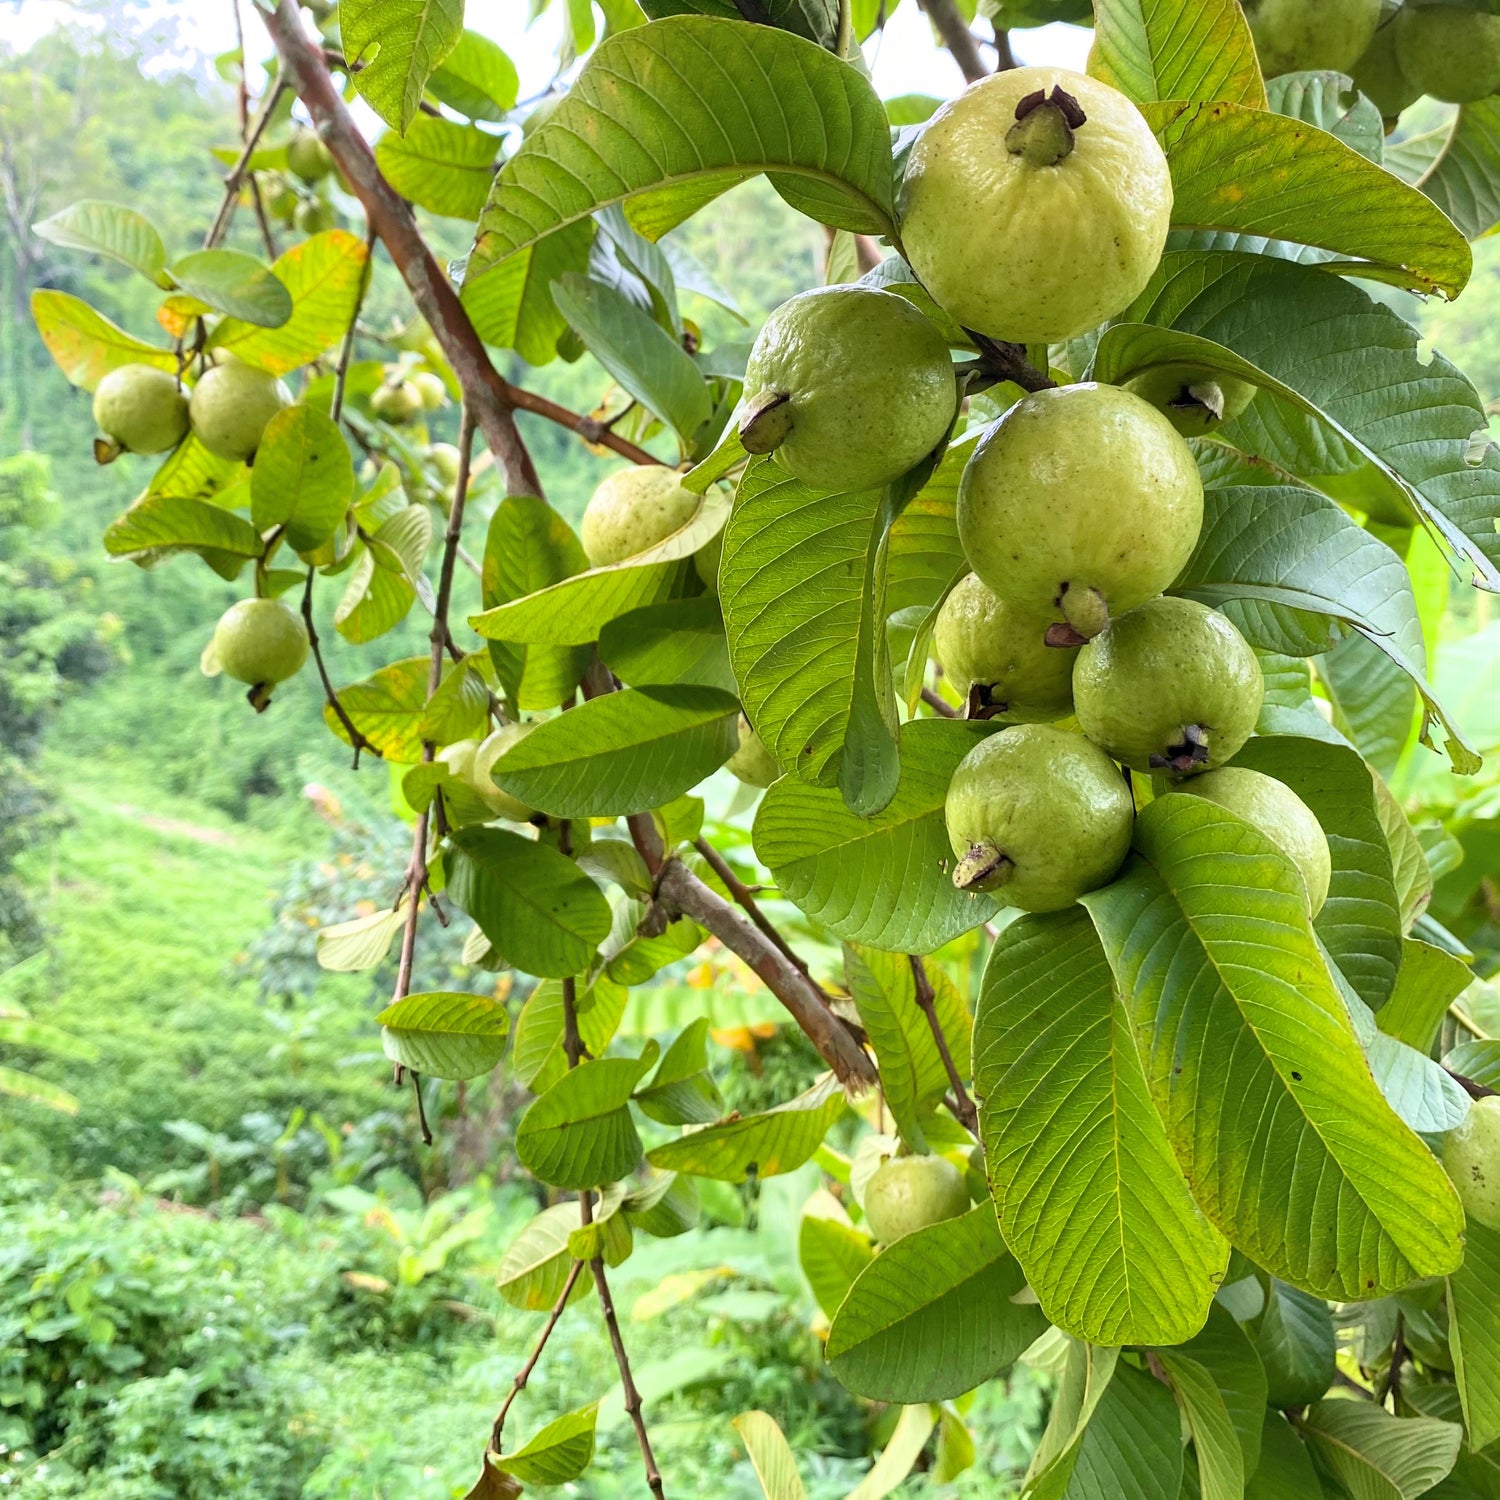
(396,402)
(1450,53)
(141,408)
(482,771)
(314,216)
(706,562)
(1194,400)
(445,459)
(431,389)
(1378,76)
(1274,809)
(260,641)
(752,763)
(1171,686)
(1080,503)
(307,156)
(1035,229)
(632,510)
(278,195)
(1039,816)
(849,386)
(983,643)
(1471,1157)
(908,1193)
(1293,36)
(231,405)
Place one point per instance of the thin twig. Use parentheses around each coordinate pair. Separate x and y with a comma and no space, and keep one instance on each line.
(1472,1088)
(497,1432)
(938,704)
(1009,362)
(948,22)
(1005,58)
(741,893)
(1392,1385)
(1468,1025)
(346,349)
(968,1116)
(236,176)
(267,238)
(356,739)
(426,1129)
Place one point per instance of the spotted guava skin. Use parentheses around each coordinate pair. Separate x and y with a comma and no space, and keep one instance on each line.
(1471,1157)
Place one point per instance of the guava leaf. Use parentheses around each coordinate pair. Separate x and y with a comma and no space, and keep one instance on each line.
(442,167)
(771,1456)
(477,78)
(108,229)
(831,1251)
(399,44)
(534,1269)
(303,478)
(1378,1456)
(231,282)
(511,304)
(445,1035)
(1328,101)
(558,1454)
(159,526)
(1297,1345)
(1463,178)
(1176,49)
(681,641)
(1428,982)
(580,1133)
(1474,1333)
(85,344)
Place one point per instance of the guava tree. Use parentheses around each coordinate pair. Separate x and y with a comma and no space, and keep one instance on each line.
(1121,425)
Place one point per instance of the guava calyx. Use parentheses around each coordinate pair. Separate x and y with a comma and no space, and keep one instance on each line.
(1086,611)
(1185,755)
(1045,124)
(767,424)
(1063,636)
(984,868)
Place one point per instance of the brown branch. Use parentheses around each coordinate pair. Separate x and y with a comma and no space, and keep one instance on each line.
(220,225)
(346,349)
(1005,58)
(627,1380)
(1472,1088)
(1392,1385)
(356,739)
(1008,362)
(524,1374)
(968,1116)
(586,427)
(949,24)
(938,704)
(742,895)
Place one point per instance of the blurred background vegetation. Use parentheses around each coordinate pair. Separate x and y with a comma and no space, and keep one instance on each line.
(227,1267)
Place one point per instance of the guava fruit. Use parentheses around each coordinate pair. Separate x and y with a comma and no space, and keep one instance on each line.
(1471,1157)
(1279,813)
(849,386)
(1078,504)
(1450,53)
(1170,686)
(1039,816)
(706,562)
(279,197)
(632,510)
(482,770)
(260,641)
(141,408)
(231,405)
(1293,36)
(752,763)
(307,156)
(396,401)
(908,1193)
(314,216)
(430,388)
(445,459)
(1194,400)
(1378,76)
(1000,658)
(1035,205)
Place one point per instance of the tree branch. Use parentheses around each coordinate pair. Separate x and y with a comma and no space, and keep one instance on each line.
(741,893)
(497,1432)
(938,704)
(220,225)
(968,1116)
(356,738)
(957,38)
(1473,1089)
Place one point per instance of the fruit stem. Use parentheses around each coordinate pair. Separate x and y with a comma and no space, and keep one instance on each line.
(767,422)
(983,868)
(1044,132)
(1086,610)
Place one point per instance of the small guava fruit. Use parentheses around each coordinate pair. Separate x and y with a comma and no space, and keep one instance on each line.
(1281,815)
(429,386)
(141,408)
(307,156)
(278,195)
(396,401)
(849,386)
(752,763)
(1471,1157)
(314,216)
(1379,77)
(1036,205)
(1000,658)
(1171,686)
(1293,36)
(445,459)
(482,770)
(1448,52)
(260,641)
(1078,504)
(908,1193)
(632,510)
(1039,816)
(231,405)
(1194,400)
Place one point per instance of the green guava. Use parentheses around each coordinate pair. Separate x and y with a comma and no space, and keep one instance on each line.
(482,772)
(430,388)
(231,405)
(1378,76)
(706,562)
(141,408)
(1281,815)
(260,641)
(908,1193)
(1036,205)
(1001,658)
(752,763)
(445,459)
(396,402)
(1171,686)
(279,197)
(1450,53)
(632,510)
(849,386)
(307,156)
(1038,815)
(1194,400)
(314,216)
(1293,36)
(1471,1157)
(1078,504)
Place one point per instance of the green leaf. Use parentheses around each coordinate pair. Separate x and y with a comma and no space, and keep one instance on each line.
(85,344)
(1091,1200)
(1297,1346)
(831,1251)
(770,1456)
(681,641)
(160,526)
(580,1133)
(1150,50)
(913,1076)
(621,753)
(534,1269)
(1478,1061)
(108,229)
(1428,982)
(360,944)
(761,1145)
(932,1315)
(387,708)
(685,129)
(682,1090)
(802,589)
(477,79)
(1286,1469)
(1376,1456)
(459,710)
(511,304)
(1464,178)
(558,1454)
(303,477)
(1288,707)
(531,902)
(1086,1375)
(538,1057)
(33,1090)
(924,557)
(634,348)
(375,599)
(1246,171)
(399,43)
(882,881)
(234,283)
(900,1454)
(442,167)
(1282,1104)
(445,1034)
(666,1207)
(1474,1333)
(22,1031)
(1325,100)
(1374,700)
(1413,875)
